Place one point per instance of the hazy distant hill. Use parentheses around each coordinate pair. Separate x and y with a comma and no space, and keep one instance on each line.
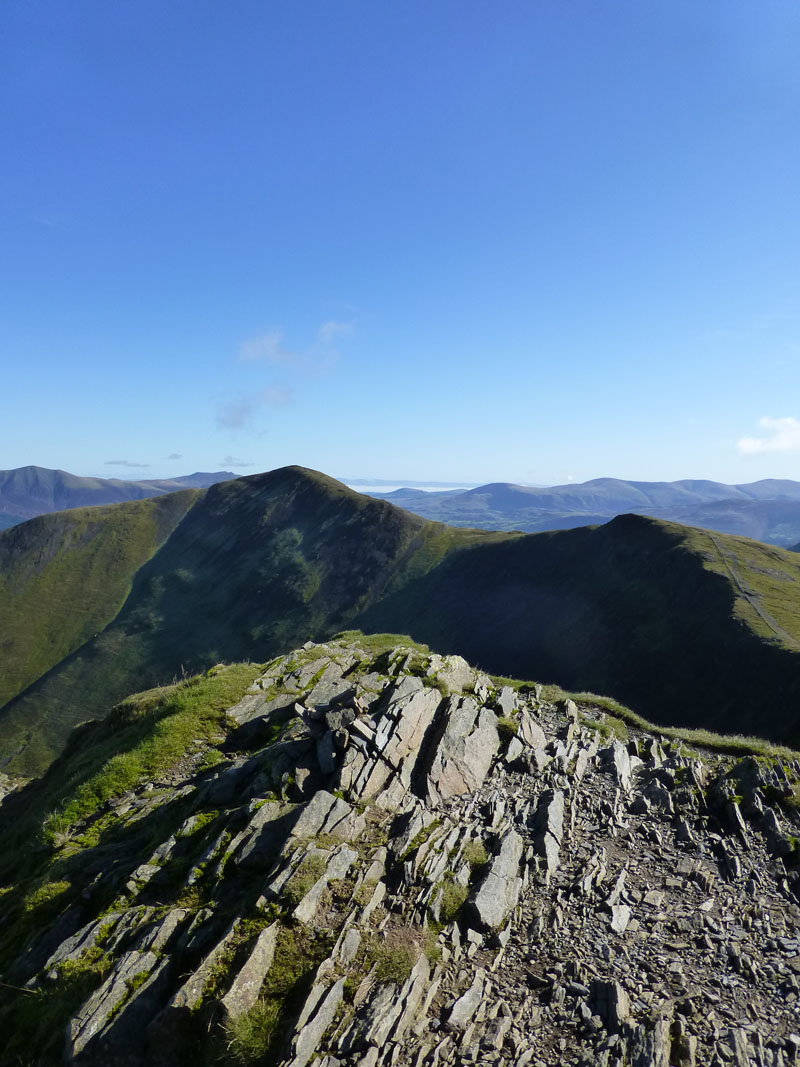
(686,626)
(29,491)
(768,510)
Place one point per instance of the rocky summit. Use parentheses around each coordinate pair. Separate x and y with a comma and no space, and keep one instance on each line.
(389,858)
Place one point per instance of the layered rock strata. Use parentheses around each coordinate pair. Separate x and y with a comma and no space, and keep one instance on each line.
(400,861)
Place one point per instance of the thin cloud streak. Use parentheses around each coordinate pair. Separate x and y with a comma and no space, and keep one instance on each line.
(125,463)
(782,435)
(235,461)
(239,413)
(329,331)
(234,414)
(269,348)
(275,396)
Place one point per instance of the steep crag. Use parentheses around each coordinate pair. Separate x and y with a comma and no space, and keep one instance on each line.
(381,856)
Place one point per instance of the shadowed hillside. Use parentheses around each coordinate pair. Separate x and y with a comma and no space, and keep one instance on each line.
(688,627)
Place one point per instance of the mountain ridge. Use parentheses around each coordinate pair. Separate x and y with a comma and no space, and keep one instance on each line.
(689,627)
(26,492)
(766,510)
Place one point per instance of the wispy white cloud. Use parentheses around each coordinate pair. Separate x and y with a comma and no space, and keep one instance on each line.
(329,331)
(235,461)
(781,435)
(269,348)
(234,414)
(238,414)
(124,463)
(275,396)
(175,455)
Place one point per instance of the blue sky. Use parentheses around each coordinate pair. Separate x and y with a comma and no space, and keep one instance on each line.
(525,241)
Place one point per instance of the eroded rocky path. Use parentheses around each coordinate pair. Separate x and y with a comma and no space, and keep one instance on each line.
(398,862)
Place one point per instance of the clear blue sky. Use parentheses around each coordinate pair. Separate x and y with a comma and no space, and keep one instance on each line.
(522,241)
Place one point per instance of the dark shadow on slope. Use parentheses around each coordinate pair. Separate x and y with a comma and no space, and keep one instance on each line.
(625,610)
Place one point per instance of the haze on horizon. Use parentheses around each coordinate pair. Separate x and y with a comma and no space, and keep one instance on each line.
(534,243)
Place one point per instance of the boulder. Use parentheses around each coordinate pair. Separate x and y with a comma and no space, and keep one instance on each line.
(463,1010)
(496,896)
(611,1003)
(246,986)
(466,749)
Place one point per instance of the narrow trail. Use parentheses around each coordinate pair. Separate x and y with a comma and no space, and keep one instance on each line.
(752,599)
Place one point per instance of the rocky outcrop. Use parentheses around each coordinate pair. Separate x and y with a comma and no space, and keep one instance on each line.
(396,861)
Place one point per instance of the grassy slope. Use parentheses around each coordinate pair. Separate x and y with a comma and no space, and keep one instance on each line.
(765,580)
(65,576)
(258,566)
(146,736)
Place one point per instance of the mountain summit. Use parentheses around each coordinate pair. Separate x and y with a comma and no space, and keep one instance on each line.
(362,853)
(689,627)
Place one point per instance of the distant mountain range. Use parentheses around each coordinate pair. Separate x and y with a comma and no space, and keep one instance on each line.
(767,510)
(29,491)
(685,626)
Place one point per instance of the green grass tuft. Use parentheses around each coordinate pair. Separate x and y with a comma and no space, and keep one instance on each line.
(506,728)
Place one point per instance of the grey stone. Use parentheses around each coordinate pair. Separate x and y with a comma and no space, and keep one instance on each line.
(463,1011)
(529,730)
(451,672)
(549,827)
(246,986)
(612,1003)
(90,1020)
(315,815)
(620,917)
(466,749)
(650,1044)
(550,814)
(497,895)
(327,693)
(389,1012)
(507,701)
(340,862)
(189,995)
(260,848)
(618,760)
(514,750)
(326,753)
(79,942)
(401,730)
(312,1026)
(339,718)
